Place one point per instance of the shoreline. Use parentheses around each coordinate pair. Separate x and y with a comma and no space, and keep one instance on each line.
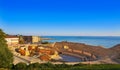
(105,41)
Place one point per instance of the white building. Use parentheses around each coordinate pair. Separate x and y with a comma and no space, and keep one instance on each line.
(12,40)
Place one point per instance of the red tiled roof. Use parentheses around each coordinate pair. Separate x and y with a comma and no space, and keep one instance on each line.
(11,36)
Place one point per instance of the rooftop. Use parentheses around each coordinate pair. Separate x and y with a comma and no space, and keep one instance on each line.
(11,36)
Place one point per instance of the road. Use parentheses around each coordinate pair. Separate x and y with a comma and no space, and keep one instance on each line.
(18,60)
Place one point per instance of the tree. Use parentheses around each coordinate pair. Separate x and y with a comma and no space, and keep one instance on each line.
(21,66)
(6,57)
(34,66)
(45,42)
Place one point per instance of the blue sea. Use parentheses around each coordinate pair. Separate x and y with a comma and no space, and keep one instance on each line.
(105,41)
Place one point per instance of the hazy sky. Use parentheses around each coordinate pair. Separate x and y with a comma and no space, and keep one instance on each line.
(60,17)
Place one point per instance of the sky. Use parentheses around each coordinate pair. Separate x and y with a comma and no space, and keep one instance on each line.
(61,17)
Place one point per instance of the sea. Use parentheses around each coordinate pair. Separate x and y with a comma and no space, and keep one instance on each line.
(104,41)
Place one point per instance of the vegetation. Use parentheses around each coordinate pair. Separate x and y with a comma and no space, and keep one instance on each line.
(49,66)
(6,57)
(20,66)
(45,42)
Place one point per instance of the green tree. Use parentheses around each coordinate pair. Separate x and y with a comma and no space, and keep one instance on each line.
(34,66)
(21,66)
(6,57)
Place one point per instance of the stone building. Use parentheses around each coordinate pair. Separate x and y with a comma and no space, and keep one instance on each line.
(36,39)
(12,40)
(31,39)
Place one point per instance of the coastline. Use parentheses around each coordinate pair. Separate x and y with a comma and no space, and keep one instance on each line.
(105,41)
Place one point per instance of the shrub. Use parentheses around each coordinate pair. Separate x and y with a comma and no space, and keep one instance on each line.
(45,42)
(21,66)
(6,57)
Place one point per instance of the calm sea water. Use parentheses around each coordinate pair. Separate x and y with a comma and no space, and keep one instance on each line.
(105,41)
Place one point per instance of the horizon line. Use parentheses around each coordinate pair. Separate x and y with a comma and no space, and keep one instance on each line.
(70,35)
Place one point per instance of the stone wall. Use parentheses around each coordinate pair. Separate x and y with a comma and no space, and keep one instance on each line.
(80,48)
(60,46)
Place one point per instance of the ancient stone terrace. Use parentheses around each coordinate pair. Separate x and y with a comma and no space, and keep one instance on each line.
(94,52)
